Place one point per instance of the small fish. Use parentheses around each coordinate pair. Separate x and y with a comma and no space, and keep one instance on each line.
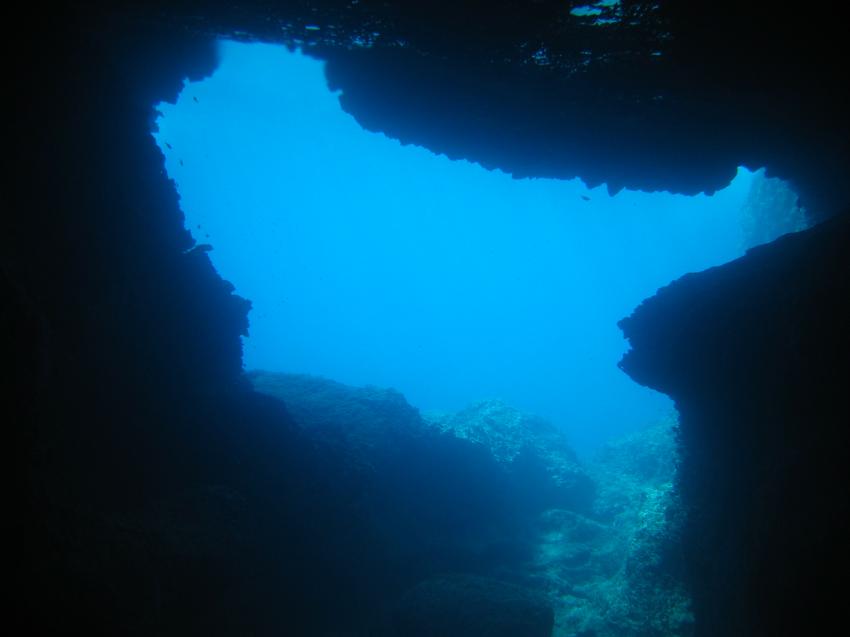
(195,98)
(169,146)
(585,197)
(181,162)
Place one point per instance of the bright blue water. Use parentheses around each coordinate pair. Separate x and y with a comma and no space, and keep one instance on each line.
(370,262)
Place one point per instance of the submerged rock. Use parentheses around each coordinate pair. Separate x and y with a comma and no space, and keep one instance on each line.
(499,495)
(616,572)
(637,493)
(470,606)
(429,501)
(524,443)
(360,418)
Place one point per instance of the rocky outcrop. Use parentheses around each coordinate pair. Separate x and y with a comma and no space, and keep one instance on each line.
(608,551)
(754,354)
(645,94)
(357,418)
(431,502)
(598,544)
(525,444)
(367,423)
(617,572)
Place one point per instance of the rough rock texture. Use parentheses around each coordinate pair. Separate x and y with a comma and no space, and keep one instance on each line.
(526,454)
(379,434)
(357,418)
(524,443)
(637,493)
(616,572)
(431,502)
(755,354)
(465,606)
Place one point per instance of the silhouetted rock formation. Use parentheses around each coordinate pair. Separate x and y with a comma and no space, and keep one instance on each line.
(491,490)
(754,353)
(641,94)
(130,421)
(617,571)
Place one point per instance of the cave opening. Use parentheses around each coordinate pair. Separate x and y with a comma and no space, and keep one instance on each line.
(372,262)
(158,488)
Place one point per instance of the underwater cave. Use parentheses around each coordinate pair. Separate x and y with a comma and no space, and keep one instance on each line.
(358,318)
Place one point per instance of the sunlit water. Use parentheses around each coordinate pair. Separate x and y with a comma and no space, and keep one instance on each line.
(370,262)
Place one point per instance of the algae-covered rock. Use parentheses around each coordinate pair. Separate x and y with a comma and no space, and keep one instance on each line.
(470,606)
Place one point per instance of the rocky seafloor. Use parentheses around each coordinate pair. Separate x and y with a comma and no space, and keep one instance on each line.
(493,524)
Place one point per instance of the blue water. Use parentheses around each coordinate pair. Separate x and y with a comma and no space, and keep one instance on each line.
(370,262)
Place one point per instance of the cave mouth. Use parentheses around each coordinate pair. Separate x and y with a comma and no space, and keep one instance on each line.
(375,263)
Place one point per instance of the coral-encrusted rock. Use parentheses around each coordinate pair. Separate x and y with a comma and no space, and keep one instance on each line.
(468,606)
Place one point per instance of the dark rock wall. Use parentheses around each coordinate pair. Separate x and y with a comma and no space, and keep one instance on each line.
(129,429)
(647,95)
(93,241)
(755,353)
